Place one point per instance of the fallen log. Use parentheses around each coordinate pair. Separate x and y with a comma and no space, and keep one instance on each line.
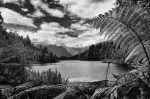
(44,90)
(22,87)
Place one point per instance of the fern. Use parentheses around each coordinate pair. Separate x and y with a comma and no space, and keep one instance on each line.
(128,28)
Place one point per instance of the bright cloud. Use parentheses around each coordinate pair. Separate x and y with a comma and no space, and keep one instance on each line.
(12,1)
(78,26)
(84,41)
(55,13)
(9,1)
(53,28)
(37,13)
(15,18)
(76,35)
(87,9)
(43,6)
(49,34)
(89,37)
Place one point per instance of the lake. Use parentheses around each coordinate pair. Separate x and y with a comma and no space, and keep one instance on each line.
(83,70)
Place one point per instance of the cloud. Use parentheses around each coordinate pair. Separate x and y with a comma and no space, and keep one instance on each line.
(53,25)
(88,9)
(15,18)
(49,34)
(84,41)
(53,33)
(9,1)
(86,38)
(53,12)
(37,13)
(78,26)
(12,1)
(53,28)
(24,9)
(96,1)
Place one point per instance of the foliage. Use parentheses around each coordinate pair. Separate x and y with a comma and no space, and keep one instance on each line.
(132,85)
(102,51)
(46,77)
(13,45)
(16,53)
(127,26)
(46,56)
(12,74)
(96,52)
(42,92)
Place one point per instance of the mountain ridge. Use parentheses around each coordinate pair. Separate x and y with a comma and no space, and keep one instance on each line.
(63,50)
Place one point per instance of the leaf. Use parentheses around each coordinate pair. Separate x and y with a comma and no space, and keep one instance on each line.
(128,29)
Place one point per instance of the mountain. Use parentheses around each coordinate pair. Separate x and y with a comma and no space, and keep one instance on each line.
(74,51)
(63,50)
(58,50)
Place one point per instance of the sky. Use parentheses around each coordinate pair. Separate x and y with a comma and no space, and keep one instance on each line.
(58,24)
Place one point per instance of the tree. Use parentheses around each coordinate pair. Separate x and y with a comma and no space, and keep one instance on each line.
(1,20)
(45,50)
(27,41)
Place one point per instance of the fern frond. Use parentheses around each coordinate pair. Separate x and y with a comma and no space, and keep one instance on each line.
(100,93)
(129,29)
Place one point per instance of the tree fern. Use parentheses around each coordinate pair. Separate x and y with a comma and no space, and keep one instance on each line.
(128,28)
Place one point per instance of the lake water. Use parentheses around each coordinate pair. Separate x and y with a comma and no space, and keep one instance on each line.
(83,70)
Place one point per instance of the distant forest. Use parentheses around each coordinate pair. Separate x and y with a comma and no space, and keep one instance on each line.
(16,49)
(102,51)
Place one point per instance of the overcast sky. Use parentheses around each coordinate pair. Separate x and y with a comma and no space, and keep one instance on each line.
(52,24)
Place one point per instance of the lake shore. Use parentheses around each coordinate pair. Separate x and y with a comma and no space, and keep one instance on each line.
(77,70)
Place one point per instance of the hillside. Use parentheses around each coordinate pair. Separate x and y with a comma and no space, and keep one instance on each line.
(58,50)
(101,51)
(74,51)
(22,50)
(13,45)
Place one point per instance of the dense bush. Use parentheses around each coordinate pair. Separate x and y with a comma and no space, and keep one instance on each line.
(46,77)
(12,74)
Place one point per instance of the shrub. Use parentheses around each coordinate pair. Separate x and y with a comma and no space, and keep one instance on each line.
(46,77)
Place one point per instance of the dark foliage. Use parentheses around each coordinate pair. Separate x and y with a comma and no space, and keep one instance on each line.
(16,53)
(102,51)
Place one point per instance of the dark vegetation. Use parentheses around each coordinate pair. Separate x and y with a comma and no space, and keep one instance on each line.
(16,53)
(17,49)
(99,51)
(127,29)
(102,51)
(16,56)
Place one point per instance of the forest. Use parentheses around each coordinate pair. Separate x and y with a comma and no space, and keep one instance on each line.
(15,48)
(102,51)
(126,28)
